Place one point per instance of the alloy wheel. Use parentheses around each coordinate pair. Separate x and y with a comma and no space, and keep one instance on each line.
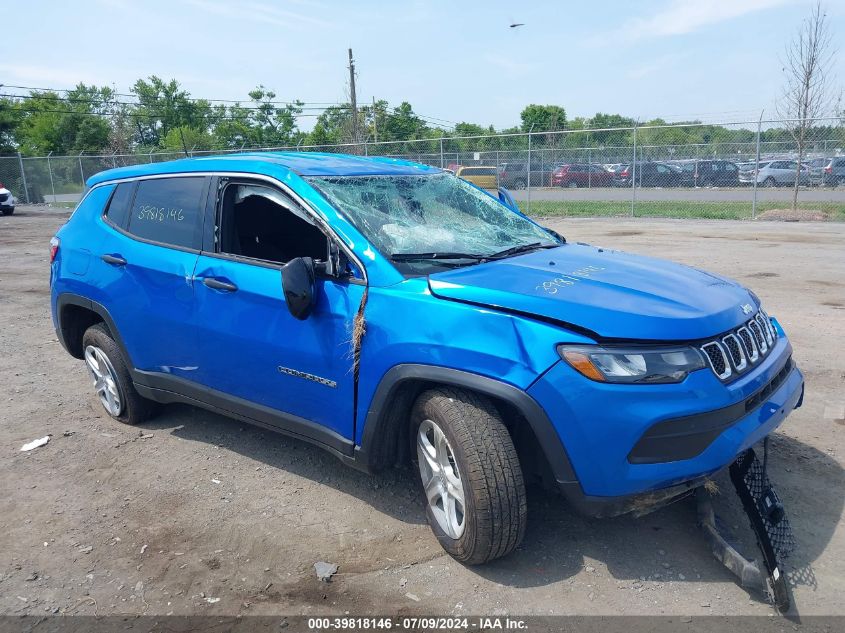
(105,379)
(441,479)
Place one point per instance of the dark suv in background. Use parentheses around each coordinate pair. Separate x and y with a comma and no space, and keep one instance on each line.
(708,173)
(648,174)
(514,174)
(834,172)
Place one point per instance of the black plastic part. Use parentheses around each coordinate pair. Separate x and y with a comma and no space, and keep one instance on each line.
(219,284)
(167,389)
(684,438)
(378,418)
(752,485)
(298,286)
(114,260)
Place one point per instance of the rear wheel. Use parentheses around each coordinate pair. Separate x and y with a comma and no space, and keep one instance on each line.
(470,473)
(769,182)
(110,375)
(572,184)
(519,184)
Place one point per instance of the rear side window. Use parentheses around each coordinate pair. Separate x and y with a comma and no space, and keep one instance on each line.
(169,211)
(118,209)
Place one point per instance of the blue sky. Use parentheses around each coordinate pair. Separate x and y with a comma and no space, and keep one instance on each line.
(456,61)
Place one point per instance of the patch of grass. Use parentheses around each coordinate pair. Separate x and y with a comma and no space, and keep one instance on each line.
(669,209)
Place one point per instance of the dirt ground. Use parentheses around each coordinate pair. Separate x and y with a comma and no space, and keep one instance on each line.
(195,513)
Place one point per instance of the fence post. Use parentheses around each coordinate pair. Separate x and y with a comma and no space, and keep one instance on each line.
(441,152)
(756,169)
(50,170)
(589,169)
(150,157)
(81,171)
(23,178)
(114,159)
(528,166)
(634,172)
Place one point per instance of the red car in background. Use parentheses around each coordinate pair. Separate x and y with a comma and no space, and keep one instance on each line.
(581,175)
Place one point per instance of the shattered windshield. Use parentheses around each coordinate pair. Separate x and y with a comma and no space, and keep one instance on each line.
(431,221)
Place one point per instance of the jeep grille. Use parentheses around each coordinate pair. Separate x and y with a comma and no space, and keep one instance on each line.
(740,350)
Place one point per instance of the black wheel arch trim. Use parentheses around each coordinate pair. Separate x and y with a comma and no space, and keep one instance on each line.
(378,414)
(68,298)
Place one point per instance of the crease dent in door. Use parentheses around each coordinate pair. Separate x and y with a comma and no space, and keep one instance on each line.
(359,329)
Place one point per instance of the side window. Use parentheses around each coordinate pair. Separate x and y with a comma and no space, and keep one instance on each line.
(118,209)
(661,169)
(730,167)
(260,222)
(169,211)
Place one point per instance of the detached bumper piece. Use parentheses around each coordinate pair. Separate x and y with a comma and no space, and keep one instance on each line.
(769,523)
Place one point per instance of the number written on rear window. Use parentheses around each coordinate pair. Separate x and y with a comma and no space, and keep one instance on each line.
(168,210)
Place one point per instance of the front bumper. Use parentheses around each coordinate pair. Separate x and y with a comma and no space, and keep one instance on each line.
(601,424)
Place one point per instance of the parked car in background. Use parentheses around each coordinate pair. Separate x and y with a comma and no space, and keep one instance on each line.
(775,173)
(514,174)
(7,201)
(484,177)
(648,174)
(834,172)
(581,175)
(816,167)
(708,173)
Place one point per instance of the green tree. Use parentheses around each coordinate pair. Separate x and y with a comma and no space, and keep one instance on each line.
(164,106)
(543,118)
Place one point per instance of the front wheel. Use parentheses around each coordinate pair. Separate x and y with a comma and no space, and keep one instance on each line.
(769,182)
(9,211)
(470,473)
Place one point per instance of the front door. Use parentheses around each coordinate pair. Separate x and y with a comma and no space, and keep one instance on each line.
(251,348)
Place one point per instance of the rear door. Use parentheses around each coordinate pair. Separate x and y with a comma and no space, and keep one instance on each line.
(144,268)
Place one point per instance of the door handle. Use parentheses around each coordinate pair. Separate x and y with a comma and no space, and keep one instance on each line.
(114,260)
(226,286)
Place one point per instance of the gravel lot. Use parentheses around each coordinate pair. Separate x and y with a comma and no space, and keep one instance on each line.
(195,513)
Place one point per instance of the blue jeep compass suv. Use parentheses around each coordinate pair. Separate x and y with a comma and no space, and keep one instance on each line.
(388,311)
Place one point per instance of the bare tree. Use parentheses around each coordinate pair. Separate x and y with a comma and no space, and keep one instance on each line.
(806,96)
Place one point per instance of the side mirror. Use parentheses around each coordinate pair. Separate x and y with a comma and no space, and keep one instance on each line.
(506,198)
(298,286)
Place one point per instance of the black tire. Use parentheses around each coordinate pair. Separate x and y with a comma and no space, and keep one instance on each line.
(518,184)
(135,408)
(769,182)
(9,211)
(495,509)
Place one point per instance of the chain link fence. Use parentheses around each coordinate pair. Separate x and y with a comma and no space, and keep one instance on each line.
(727,170)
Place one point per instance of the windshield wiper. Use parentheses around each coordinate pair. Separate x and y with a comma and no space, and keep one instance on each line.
(414,257)
(522,248)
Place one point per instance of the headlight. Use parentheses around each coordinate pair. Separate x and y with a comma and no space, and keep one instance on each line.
(632,364)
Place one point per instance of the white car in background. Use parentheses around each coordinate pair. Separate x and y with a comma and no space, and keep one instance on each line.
(7,201)
(774,173)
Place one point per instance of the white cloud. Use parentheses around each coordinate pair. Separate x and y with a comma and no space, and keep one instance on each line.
(49,76)
(262,13)
(683,16)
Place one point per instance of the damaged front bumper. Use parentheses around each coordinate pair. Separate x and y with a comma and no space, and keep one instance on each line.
(768,521)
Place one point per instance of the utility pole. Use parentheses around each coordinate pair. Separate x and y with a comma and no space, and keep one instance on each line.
(375,122)
(353,99)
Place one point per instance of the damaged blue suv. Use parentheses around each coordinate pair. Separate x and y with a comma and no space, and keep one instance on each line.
(390,312)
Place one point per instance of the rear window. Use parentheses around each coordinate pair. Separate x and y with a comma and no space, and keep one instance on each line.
(168,211)
(479,171)
(118,209)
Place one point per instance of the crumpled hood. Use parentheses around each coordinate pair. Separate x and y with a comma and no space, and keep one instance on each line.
(610,293)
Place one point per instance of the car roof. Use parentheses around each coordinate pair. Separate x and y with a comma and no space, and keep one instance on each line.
(278,164)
